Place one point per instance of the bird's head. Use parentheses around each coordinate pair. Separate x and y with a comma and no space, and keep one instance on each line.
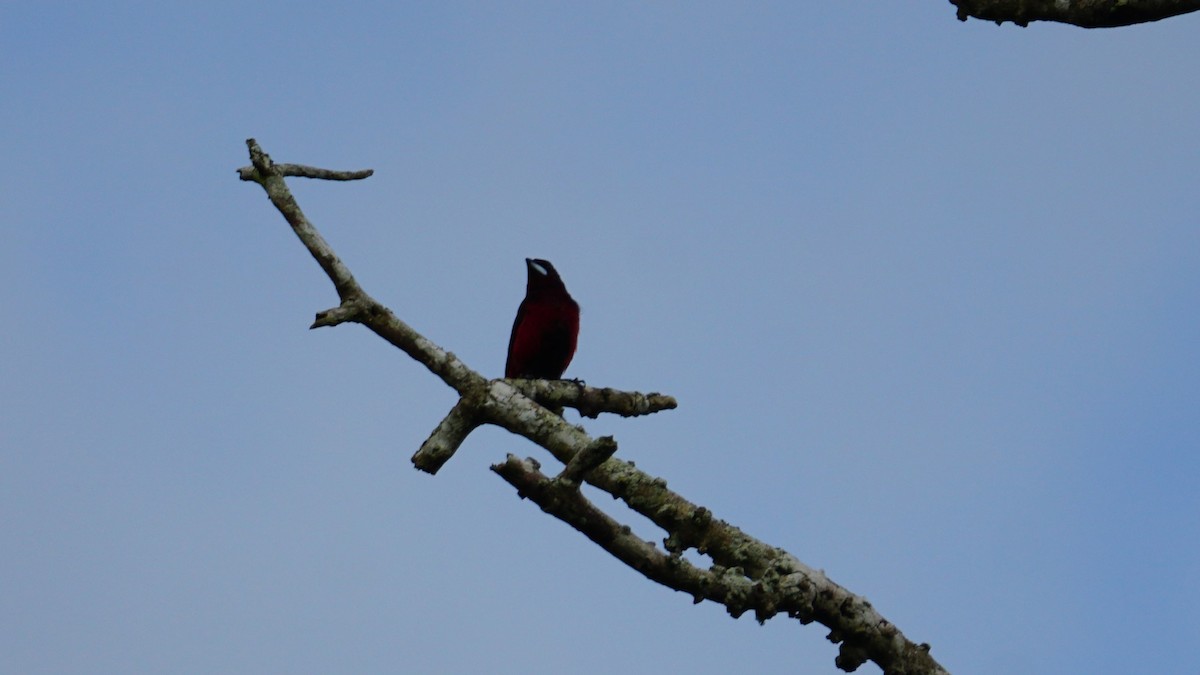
(542,276)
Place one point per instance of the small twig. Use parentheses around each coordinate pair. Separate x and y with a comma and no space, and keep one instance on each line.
(303,171)
(352,309)
(584,462)
(447,437)
(591,401)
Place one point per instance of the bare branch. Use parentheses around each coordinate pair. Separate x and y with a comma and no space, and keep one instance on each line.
(447,437)
(852,620)
(567,503)
(591,401)
(351,309)
(356,305)
(302,171)
(786,585)
(747,574)
(1082,13)
(267,174)
(585,461)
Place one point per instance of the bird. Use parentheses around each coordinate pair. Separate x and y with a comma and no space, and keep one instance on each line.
(546,329)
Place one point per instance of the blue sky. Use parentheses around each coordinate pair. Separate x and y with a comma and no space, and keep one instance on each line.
(926,292)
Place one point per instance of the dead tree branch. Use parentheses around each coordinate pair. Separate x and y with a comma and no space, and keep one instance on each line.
(1082,13)
(747,574)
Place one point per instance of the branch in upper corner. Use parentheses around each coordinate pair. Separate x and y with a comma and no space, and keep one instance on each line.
(591,401)
(1082,13)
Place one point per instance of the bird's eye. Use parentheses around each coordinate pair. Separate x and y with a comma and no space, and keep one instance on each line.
(539,268)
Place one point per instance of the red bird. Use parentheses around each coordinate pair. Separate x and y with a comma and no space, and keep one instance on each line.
(547,326)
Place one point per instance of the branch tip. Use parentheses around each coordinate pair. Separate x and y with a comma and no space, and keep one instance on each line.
(585,461)
(449,435)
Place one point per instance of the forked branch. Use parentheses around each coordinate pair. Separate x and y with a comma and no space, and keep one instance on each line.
(747,574)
